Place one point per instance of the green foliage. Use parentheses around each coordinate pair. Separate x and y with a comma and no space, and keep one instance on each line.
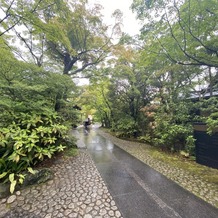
(190,145)
(170,127)
(208,106)
(30,129)
(125,127)
(71,152)
(77,35)
(26,88)
(146,138)
(212,123)
(95,101)
(184,31)
(26,141)
(69,115)
(208,113)
(171,136)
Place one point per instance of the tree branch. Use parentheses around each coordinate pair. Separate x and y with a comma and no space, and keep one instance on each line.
(196,62)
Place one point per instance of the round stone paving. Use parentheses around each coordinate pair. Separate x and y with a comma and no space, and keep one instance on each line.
(77,190)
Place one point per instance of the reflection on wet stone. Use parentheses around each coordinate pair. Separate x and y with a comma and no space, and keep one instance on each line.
(76,190)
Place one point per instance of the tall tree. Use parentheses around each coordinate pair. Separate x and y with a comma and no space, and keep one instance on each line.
(22,22)
(186,30)
(71,33)
(96,97)
(14,12)
(80,40)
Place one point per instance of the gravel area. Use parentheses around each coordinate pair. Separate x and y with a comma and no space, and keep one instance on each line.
(191,182)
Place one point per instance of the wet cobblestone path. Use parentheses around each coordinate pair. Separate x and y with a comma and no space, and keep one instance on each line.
(77,190)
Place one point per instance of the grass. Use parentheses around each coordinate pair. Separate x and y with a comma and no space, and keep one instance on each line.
(71,152)
(207,174)
(176,160)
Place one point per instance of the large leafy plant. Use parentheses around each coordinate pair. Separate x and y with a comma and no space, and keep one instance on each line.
(27,140)
(30,128)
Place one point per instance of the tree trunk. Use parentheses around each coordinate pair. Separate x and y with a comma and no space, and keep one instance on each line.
(68,63)
(211,82)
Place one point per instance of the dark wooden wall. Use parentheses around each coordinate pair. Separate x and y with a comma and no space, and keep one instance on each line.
(206,148)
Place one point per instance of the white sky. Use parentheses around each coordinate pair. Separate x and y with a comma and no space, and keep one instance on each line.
(131,26)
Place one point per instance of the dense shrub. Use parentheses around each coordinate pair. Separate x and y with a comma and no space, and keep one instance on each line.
(31,124)
(169,127)
(27,140)
(171,136)
(125,127)
(208,109)
(70,115)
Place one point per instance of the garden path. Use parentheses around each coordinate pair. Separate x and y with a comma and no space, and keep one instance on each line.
(104,181)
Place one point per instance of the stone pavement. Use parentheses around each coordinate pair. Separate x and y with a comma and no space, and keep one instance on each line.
(191,182)
(77,190)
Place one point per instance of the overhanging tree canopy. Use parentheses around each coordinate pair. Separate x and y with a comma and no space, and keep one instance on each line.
(81,39)
(186,30)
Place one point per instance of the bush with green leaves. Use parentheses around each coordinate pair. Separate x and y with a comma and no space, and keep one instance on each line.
(190,145)
(171,136)
(30,129)
(172,128)
(125,127)
(27,140)
(212,123)
(208,113)
(69,114)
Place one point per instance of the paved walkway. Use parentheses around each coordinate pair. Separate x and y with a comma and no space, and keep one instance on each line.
(77,190)
(138,190)
(191,182)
